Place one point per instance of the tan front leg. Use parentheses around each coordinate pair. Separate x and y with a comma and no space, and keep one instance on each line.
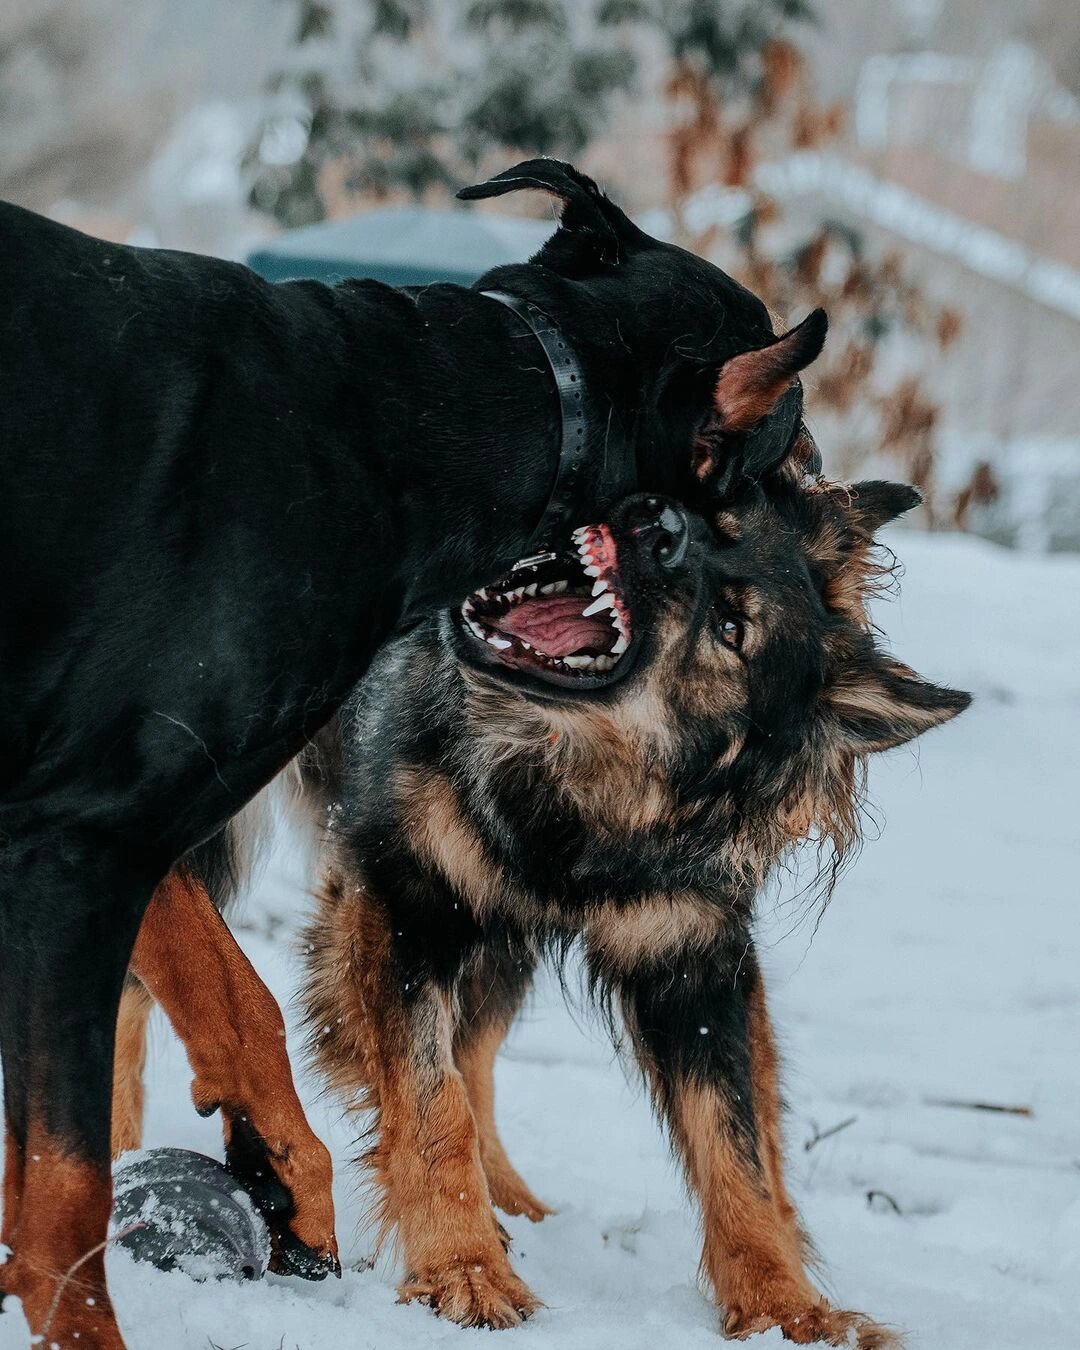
(234,1035)
(383,1037)
(704,1038)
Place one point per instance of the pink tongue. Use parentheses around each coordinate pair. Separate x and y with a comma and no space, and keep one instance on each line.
(554,624)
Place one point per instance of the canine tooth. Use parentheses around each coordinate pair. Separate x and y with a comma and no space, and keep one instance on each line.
(620,645)
(500,643)
(606,601)
(531,590)
(577,662)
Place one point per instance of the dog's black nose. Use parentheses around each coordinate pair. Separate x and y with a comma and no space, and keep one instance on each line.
(663,528)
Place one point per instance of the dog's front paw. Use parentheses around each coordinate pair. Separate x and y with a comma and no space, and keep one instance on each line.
(813,1325)
(473,1294)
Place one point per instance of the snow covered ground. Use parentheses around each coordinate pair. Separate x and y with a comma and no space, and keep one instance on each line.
(946,967)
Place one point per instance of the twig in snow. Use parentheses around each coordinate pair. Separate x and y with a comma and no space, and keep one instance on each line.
(996,1107)
(68,1275)
(871,1196)
(819,1135)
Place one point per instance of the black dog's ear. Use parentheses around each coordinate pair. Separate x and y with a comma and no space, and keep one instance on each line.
(873,504)
(587,213)
(877,703)
(750,384)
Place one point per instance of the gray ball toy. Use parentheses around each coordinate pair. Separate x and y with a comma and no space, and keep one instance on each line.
(183,1211)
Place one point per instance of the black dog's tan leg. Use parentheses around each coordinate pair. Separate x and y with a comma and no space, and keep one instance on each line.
(234,1035)
(69,909)
(382,1034)
(488,1002)
(704,1039)
(129,1064)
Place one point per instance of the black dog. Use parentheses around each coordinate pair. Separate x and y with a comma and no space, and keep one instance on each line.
(219,497)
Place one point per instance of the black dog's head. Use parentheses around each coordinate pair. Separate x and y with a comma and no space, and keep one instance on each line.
(750,678)
(685,358)
(693,393)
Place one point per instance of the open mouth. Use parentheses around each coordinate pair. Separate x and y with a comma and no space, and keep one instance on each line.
(562,617)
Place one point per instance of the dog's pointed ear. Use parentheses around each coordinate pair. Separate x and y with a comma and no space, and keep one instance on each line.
(877,702)
(599,231)
(875,503)
(750,384)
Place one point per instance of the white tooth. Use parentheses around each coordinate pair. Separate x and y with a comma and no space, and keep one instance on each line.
(561,586)
(592,571)
(518,593)
(606,601)
(483,595)
(531,590)
(550,589)
(605,662)
(620,645)
(577,662)
(499,642)
(526,645)
(599,586)
(617,621)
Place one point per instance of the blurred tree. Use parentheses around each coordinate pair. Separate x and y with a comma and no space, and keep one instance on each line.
(408,97)
(741,97)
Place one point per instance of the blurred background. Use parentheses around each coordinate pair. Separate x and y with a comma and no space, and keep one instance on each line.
(913,165)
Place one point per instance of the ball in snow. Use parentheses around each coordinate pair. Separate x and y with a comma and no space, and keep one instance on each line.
(183,1211)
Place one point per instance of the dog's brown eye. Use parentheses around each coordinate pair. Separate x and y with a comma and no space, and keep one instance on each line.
(731,630)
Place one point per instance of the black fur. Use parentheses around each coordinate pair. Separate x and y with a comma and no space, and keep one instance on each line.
(219,497)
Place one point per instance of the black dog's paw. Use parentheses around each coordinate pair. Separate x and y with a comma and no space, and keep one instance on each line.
(248,1159)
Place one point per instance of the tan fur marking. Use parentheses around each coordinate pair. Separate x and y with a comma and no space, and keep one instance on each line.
(624,936)
(475,1059)
(751,1255)
(380,1052)
(443,837)
(59,1265)
(136,1006)
(234,1035)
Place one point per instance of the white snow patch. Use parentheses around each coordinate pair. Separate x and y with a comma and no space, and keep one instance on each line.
(944,968)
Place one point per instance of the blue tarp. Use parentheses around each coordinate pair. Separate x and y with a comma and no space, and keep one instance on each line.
(403,246)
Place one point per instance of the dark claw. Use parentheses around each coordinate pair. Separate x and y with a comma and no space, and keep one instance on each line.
(293,1257)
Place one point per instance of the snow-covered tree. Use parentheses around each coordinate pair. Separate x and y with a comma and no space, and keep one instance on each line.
(410,97)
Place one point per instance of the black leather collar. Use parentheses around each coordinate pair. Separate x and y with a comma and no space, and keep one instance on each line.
(565,502)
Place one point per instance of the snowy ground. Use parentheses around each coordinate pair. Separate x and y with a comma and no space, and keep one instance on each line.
(945,967)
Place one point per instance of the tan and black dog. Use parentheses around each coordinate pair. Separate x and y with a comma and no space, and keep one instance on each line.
(487,814)
(488,817)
